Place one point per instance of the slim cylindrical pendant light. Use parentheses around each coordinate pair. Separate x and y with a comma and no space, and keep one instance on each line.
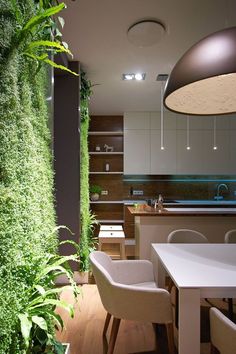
(203,82)
(162,118)
(188,138)
(214,134)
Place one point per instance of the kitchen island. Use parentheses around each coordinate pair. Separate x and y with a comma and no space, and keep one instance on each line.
(152,226)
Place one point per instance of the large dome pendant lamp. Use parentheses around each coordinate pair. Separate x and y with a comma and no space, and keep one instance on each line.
(203,82)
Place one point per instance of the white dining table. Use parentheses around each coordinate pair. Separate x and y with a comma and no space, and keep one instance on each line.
(198,271)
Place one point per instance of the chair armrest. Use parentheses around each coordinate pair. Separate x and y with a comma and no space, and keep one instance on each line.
(133,271)
(223,331)
(141,304)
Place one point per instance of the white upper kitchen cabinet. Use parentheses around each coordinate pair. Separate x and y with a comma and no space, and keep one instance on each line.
(191,161)
(137,120)
(232,142)
(163,161)
(136,151)
(169,120)
(142,144)
(218,161)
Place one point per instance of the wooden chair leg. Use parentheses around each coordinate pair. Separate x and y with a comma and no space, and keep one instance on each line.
(161,340)
(122,250)
(176,307)
(155,327)
(214,350)
(170,337)
(230,309)
(99,245)
(107,321)
(114,332)
(170,285)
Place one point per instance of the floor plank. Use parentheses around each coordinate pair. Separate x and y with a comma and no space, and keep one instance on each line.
(84,332)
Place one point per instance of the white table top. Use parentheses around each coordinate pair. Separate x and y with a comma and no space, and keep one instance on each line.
(199,265)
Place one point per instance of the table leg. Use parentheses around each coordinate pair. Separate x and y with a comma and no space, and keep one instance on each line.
(189,321)
(159,273)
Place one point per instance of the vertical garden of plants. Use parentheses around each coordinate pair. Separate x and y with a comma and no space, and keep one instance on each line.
(87,218)
(27,215)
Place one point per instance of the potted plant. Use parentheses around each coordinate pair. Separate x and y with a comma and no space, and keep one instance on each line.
(95,192)
(38,320)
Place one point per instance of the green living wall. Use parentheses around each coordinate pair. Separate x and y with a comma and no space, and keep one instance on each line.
(26,179)
(87,218)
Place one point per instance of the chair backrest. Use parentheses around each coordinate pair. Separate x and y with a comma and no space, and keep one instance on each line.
(230,236)
(129,301)
(223,332)
(186,236)
(102,268)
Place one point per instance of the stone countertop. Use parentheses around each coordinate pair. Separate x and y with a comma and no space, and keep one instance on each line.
(187,203)
(145,210)
(217,203)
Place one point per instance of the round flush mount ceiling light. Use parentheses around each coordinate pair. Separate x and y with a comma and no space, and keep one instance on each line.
(203,82)
(145,33)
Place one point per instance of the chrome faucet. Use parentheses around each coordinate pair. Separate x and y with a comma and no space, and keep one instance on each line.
(159,203)
(219,188)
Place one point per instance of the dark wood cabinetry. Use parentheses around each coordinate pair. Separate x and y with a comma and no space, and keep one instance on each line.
(106,167)
(128,223)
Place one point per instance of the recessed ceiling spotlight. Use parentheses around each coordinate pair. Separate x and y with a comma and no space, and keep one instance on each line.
(137,77)
(128,76)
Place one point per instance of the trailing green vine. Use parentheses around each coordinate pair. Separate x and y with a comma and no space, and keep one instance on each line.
(88,220)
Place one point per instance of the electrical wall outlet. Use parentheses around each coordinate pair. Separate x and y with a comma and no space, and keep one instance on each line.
(137,192)
(104,192)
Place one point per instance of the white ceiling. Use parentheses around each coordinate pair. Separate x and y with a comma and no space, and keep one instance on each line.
(96,31)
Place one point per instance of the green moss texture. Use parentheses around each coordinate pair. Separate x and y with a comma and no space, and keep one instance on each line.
(27,214)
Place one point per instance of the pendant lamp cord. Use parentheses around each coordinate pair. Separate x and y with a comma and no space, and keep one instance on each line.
(162,117)
(188,145)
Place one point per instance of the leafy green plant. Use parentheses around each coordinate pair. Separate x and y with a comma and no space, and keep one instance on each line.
(88,219)
(37,319)
(88,243)
(40,38)
(26,177)
(94,188)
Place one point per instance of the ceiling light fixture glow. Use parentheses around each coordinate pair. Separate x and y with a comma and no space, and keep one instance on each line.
(137,77)
(203,81)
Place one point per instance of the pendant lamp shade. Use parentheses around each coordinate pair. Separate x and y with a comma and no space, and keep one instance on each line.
(203,82)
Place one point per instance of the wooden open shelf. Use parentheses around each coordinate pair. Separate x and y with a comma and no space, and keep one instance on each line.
(107,130)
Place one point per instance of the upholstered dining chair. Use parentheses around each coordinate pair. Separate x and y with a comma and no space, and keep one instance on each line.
(186,236)
(223,333)
(230,236)
(183,236)
(128,291)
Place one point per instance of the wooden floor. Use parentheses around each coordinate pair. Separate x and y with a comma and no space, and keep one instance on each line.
(84,332)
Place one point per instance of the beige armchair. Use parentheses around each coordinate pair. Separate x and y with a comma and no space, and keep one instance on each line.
(223,333)
(128,291)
